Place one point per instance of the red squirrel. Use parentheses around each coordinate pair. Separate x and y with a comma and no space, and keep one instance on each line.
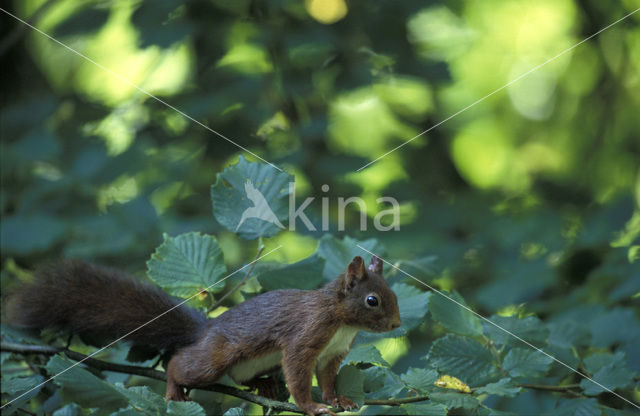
(297,330)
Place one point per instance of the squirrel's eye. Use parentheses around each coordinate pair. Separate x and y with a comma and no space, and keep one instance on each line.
(372,301)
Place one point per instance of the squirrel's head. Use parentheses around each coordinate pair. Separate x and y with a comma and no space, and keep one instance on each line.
(369,302)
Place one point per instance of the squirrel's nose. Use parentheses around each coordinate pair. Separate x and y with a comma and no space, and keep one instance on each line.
(395,324)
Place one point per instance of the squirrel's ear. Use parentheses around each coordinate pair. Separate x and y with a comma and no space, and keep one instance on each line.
(355,271)
(376,265)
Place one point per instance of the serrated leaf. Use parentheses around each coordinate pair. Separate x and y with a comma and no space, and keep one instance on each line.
(577,407)
(20,384)
(80,386)
(450,382)
(454,400)
(185,409)
(425,409)
(339,253)
(419,378)
(187,264)
(569,334)
(374,379)
(350,383)
(235,411)
(611,376)
(596,361)
(530,328)
(142,398)
(251,199)
(503,387)
(127,411)
(452,316)
(528,363)
(305,274)
(392,385)
(463,358)
(367,354)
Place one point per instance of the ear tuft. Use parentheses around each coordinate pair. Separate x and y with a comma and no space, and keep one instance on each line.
(376,265)
(355,271)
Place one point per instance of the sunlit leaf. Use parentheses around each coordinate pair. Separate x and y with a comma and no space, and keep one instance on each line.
(452,383)
(365,354)
(187,264)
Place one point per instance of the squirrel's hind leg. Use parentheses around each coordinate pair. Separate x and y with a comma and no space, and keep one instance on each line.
(175,392)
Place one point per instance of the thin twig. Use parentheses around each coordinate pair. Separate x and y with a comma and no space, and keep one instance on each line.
(242,282)
(396,402)
(550,388)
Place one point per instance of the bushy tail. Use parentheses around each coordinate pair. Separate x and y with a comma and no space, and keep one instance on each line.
(102,304)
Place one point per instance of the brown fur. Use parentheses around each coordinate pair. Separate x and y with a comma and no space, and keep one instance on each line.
(298,323)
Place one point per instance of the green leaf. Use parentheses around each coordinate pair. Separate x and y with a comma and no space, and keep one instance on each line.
(453,316)
(530,328)
(186,264)
(420,379)
(20,384)
(528,363)
(463,358)
(425,409)
(350,383)
(454,400)
(569,334)
(367,354)
(339,253)
(185,409)
(141,397)
(374,378)
(608,369)
(305,274)
(596,361)
(80,386)
(256,186)
(604,334)
(504,387)
(235,411)
(422,268)
(577,407)
(69,410)
(413,305)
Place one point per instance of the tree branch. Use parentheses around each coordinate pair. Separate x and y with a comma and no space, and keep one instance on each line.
(145,372)
(220,388)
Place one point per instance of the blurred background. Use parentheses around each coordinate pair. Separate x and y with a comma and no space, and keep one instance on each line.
(530,196)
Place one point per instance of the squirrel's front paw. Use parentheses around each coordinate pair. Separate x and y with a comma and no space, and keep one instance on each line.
(345,403)
(317,409)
